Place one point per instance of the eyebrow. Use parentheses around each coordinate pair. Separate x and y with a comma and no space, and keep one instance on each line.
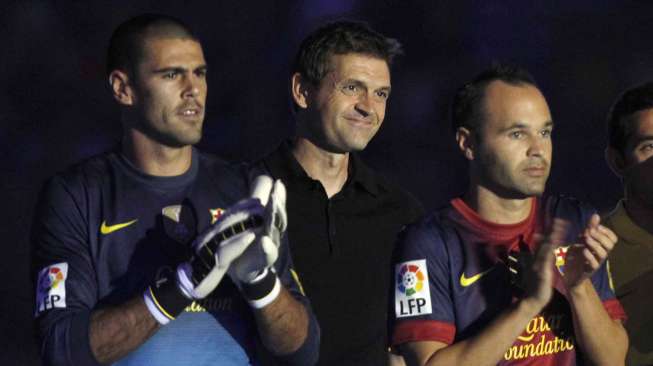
(362,83)
(386,89)
(178,69)
(521,125)
(169,69)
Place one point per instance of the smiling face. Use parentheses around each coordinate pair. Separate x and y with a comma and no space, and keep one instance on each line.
(347,108)
(169,91)
(513,153)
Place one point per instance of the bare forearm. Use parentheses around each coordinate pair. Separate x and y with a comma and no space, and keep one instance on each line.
(489,346)
(602,339)
(283,325)
(116,331)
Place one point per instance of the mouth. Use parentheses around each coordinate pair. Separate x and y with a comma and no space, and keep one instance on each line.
(360,122)
(537,171)
(190,112)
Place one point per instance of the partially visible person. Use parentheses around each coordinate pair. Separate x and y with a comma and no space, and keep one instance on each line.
(506,275)
(122,274)
(630,156)
(343,216)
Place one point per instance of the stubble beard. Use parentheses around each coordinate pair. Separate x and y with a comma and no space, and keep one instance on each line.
(511,183)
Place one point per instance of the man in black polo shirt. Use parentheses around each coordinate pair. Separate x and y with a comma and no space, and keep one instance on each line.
(343,217)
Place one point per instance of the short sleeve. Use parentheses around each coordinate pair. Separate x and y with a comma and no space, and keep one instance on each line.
(602,281)
(422,305)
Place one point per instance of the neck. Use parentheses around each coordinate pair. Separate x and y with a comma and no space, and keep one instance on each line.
(640,213)
(493,208)
(153,158)
(331,169)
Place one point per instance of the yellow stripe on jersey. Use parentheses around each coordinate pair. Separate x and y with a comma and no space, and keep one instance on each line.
(297,281)
(607,267)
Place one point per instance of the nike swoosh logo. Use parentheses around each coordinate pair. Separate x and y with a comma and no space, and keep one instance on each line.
(468,281)
(108,229)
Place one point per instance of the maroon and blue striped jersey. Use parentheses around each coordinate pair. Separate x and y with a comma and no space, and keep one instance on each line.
(452,277)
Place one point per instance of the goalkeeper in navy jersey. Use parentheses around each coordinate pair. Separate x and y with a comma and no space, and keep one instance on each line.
(158,254)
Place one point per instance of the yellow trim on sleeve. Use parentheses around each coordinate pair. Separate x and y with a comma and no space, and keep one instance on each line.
(295,276)
(607,267)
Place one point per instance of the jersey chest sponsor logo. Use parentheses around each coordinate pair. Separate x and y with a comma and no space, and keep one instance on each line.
(544,336)
(51,287)
(108,229)
(412,294)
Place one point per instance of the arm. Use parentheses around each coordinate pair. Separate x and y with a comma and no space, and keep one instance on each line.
(73,330)
(282,325)
(488,347)
(66,286)
(115,332)
(602,339)
(286,324)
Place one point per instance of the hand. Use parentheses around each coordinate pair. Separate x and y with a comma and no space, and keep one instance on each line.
(264,252)
(219,246)
(539,281)
(213,252)
(583,259)
(253,271)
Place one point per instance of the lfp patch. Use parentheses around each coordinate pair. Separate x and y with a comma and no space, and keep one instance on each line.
(412,295)
(51,287)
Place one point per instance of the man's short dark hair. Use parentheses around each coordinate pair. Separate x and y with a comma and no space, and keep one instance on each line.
(467,107)
(620,121)
(126,44)
(339,38)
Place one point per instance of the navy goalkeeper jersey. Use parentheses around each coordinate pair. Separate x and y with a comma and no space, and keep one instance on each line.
(101,237)
(451,280)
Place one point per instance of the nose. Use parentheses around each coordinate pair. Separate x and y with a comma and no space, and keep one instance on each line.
(536,146)
(191,87)
(364,105)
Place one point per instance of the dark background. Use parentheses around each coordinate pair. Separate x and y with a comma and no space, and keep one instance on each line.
(55,107)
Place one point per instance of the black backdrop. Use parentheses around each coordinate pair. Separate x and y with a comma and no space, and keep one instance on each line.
(55,108)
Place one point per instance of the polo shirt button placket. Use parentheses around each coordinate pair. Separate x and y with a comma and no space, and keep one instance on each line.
(332,228)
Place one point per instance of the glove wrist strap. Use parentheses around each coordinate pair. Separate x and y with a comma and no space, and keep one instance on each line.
(165,300)
(265,289)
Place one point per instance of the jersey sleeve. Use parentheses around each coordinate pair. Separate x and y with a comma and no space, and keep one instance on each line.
(602,281)
(65,279)
(422,306)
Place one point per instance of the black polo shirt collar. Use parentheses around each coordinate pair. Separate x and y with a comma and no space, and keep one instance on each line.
(282,163)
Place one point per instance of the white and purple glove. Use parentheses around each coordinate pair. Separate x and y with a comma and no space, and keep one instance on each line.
(253,271)
(213,252)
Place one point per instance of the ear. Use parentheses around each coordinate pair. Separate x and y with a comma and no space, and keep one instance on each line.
(121,88)
(615,161)
(299,89)
(466,142)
